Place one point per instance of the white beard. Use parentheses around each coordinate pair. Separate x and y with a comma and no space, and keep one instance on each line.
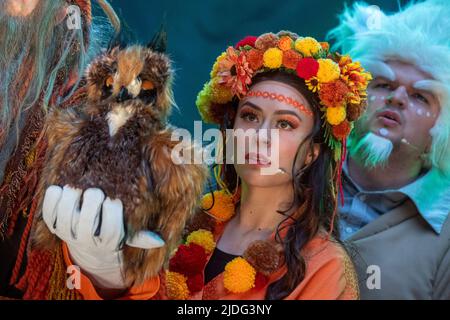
(371,150)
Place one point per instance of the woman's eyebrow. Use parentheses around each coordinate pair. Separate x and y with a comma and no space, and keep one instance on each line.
(287,112)
(251,104)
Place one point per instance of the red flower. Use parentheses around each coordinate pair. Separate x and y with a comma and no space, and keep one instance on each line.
(307,68)
(195,282)
(342,130)
(260,281)
(247,41)
(188,260)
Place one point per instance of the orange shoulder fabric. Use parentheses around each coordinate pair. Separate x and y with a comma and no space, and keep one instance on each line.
(145,291)
(330,274)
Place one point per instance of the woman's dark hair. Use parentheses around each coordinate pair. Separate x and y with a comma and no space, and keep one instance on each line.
(313,188)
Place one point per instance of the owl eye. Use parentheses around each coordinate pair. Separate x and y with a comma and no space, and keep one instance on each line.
(109,81)
(147,85)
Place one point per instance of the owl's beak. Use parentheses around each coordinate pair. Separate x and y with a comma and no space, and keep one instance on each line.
(123,95)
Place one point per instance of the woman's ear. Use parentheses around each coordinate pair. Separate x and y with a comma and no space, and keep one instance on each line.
(312,154)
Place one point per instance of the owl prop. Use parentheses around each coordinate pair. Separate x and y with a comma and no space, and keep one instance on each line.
(120,142)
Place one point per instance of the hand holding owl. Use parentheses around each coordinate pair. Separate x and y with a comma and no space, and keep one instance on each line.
(93,232)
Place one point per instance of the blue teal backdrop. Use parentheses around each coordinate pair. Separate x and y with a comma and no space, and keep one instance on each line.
(199,30)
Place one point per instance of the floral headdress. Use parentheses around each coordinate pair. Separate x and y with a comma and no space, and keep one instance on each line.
(339,82)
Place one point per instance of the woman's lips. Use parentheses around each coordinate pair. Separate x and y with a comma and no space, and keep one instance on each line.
(257,159)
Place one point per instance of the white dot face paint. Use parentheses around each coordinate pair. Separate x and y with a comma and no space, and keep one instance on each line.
(384,132)
(419,112)
(428,114)
(372,98)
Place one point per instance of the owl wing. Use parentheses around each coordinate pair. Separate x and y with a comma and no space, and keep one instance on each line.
(176,187)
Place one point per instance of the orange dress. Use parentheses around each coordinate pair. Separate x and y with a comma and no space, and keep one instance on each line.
(329,275)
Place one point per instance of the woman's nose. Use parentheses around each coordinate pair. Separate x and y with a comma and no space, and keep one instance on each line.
(264,136)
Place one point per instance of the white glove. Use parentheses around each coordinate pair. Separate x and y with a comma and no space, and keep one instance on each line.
(98,255)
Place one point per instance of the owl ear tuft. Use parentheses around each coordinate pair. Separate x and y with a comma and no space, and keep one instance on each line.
(116,43)
(159,41)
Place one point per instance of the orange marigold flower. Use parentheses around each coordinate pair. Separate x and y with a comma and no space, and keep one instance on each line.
(255,59)
(333,94)
(176,286)
(239,276)
(285,43)
(223,208)
(342,130)
(291,59)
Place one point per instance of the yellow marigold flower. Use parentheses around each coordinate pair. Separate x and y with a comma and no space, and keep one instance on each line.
(203,102)
(273,58)
(336,115)
(307,46)
(203,238)
(239,276)
(220,93)
(215,67)
(176,285)
(285,43)
(223,208)
(328,70)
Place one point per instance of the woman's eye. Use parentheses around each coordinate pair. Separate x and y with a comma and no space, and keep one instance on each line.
(285,125)
(250,117)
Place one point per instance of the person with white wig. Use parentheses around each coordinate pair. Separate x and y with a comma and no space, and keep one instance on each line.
(396,199)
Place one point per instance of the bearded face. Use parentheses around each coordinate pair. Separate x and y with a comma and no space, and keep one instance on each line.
(37,52)
(401,114)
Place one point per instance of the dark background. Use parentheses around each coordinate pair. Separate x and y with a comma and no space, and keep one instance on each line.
(199,30)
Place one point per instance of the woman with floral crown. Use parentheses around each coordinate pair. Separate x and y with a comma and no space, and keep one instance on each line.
(273,236)
(263,234)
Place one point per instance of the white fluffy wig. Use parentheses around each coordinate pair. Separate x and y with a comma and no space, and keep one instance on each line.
(418,34)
